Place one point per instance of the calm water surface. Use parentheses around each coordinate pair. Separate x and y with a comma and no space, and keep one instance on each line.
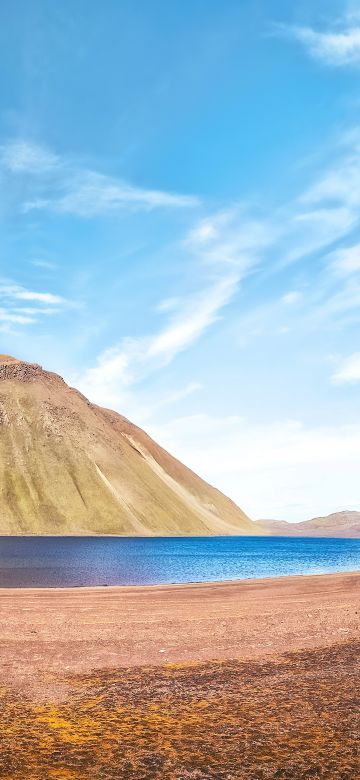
(69,561)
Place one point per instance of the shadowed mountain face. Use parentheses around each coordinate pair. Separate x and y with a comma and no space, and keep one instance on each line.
(338,524)
(70,467)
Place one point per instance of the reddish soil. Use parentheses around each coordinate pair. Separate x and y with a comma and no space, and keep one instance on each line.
(79,629)
(237,681)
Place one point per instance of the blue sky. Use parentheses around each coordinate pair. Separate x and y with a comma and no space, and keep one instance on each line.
(180,229)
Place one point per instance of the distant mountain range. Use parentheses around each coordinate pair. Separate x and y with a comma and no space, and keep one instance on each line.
(68,466)
(346,524)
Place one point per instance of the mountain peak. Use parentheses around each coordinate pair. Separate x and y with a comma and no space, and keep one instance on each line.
(69,467)
(9,359)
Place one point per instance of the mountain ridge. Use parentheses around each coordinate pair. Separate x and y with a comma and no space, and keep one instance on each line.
(345,524)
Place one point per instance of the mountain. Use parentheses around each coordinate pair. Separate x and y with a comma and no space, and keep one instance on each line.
(68,466)
(346,524)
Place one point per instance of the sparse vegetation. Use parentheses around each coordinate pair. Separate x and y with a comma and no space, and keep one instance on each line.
(291,718)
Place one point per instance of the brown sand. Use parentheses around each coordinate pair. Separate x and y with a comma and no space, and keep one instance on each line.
(79,629)
(254,680)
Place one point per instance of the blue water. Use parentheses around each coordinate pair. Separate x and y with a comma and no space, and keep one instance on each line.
(69,561)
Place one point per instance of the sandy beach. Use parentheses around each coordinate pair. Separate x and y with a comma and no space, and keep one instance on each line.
(222,681)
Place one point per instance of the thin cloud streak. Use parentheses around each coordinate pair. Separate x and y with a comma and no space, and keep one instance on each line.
(20,293)
(129,363)
(43,303)
(197,315)
(19,319)
(91,193)
(64,187)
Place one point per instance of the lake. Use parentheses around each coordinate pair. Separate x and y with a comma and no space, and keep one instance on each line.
(77,561)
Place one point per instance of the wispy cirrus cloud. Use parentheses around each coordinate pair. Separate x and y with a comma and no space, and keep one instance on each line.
(232,237)
(193,318)
(338,186)
(16,292)
(323,213)
(227,247)
(128,363)
(89,194)
(60,185)
(20,156)
(43,303)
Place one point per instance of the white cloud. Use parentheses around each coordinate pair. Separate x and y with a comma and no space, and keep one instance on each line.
(196,316)
(20,293)
(28,295)
(12,317)
(348,372)
(44,303)
(110,373)
(338,47)
(292,297)
(345,260)
(32,310)
(273,470)
(25,157)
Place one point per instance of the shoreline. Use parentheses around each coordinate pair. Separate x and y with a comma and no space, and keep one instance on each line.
(174,585)
(87,535)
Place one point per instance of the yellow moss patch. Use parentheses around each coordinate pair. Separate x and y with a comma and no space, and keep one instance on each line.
(219,721)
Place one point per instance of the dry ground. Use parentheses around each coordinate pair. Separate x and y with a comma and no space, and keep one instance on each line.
(257,680)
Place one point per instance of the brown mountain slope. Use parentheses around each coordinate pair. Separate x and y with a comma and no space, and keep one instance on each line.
(338,524)
(70,467)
